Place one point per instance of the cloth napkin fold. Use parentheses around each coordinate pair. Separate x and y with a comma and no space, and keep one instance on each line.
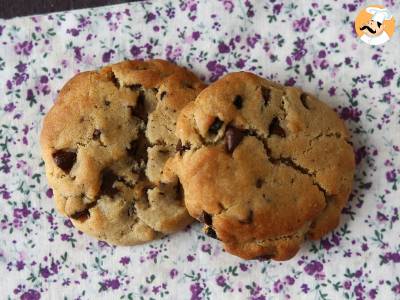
(311,44)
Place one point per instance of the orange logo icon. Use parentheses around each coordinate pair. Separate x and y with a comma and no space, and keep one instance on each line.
(375,25)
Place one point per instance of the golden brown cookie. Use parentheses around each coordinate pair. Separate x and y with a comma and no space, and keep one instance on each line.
(105,142)
(262,165)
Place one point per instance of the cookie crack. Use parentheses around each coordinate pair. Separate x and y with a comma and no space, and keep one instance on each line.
(289,162)
(299,233)
(84,214)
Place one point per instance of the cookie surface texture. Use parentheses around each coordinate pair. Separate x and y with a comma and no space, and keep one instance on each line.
(263,166)
(105,142)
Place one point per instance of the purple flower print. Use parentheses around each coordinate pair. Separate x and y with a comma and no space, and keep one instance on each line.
(289,280)
(216,69)
(24,48)
(173,54)
(388,76)
(4,192)
(350,113)
(78,54)
(206,248)
(304,288)
(20,77)
(112,283)
(150,17)
(228,5)
(299,52)
(372,293)
(391,257)
(290,82)
(73,31)
(125,260)
(170,12)
(20,265)
(152,254)
(396,289)
(221,280)
(359,291)
(135,51)
(223,48)
(240,63)
(30,295)
(45,273)
(190,258)
(20,213)
(313,267)
(252,40)
(351,7)
(195,35)
(391,175)
(347,284)
(49,193)
(243,267)
(360,154)
(68,223)
(9,107)
(84,275)
(250,10)
(196,290)
(278,286)
(301,25)
(5,167)
(107,56)
(276,10)
(381,217)
(173,273)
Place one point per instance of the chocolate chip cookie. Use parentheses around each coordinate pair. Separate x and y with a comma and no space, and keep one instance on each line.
(263,166)
(105,142)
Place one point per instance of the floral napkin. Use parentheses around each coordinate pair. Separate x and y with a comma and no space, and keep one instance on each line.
(311,44)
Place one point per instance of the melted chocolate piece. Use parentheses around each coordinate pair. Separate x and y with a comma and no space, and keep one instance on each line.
(64,160)
(233,137)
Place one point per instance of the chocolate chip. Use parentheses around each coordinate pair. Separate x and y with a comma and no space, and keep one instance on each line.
(303,99)
(179,191)
(267,149)
(264,257)
(135,87)
(238,102)
(64,159)
(188,85)
(259,183)
(132,210)
(205,218)
(107,183)
(84,214)
(107,103)
(233,137)
(115,80)
(266,94)
(215,126)
(139,110)
(181,148)
(163,94)
(249,218)
(275,128)
(211,233)
(138,148)
(96,134)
